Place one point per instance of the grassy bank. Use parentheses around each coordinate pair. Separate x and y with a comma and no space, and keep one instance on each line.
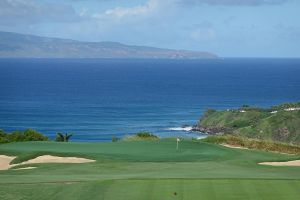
(149,170)
(279,123)
(253,144)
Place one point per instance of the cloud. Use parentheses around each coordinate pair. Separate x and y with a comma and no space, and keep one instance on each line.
(124,12)
(120,12)
(233,2)
(30,12)
(150,8)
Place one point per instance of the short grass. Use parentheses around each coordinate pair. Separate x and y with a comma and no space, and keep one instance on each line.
(149,170)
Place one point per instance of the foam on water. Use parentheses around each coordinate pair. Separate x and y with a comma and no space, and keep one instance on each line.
(188,128)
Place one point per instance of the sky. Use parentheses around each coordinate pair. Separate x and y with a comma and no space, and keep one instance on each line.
(229,28)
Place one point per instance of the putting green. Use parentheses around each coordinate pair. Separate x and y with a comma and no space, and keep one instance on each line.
(148,170)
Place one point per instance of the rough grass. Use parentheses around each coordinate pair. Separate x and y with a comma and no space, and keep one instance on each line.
(254,144)
(283,126)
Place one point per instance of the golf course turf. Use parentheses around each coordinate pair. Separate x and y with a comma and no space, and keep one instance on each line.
(148,170)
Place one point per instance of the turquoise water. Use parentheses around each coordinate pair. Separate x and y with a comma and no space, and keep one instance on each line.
(96,99)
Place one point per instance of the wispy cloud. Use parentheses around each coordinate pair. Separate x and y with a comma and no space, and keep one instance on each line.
(121,12)
(151,7)
(30,11)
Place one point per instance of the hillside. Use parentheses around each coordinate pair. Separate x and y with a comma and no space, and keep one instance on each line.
(278,123)
(13,45)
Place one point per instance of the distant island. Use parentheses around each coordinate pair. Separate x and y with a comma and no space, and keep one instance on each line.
(14,45)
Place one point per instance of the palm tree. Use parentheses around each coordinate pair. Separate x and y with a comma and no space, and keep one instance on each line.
(63,137)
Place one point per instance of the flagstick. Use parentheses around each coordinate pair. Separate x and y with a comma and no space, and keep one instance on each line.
(177,143)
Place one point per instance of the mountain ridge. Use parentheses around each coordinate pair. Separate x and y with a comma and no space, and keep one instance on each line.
(15,45)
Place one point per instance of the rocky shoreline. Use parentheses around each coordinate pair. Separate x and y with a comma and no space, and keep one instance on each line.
(210,130)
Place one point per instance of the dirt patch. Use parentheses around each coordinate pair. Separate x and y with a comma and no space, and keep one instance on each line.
(293,163)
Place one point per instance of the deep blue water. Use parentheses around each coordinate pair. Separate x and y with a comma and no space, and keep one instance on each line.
(95,99)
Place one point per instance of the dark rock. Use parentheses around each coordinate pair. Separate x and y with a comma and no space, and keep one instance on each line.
(211,130)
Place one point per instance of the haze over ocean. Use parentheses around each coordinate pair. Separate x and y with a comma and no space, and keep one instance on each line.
(98,98)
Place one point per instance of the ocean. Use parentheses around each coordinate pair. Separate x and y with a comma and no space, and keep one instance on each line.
(97,99)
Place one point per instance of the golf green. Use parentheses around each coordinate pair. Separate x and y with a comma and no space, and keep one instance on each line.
(148,170)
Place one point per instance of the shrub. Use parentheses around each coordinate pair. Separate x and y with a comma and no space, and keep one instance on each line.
(33,135)
(2,133)
(3,137)
(145,135)
(20,136)
(141,136)
(16,136)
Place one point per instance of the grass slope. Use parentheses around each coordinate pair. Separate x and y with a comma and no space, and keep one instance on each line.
(149,170)
(283,126)
(253,144)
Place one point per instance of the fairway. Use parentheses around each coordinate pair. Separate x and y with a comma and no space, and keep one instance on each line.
(148,170)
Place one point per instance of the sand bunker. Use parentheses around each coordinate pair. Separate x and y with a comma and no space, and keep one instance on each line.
(233,147)
(56,159)
(5,160)
(293,163)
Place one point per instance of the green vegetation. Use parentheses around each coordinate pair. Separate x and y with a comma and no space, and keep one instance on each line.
(149,170)
(253,144)
(115,139)
(21,136)
(277,123)
(60,137)
(141,136)
(286,105)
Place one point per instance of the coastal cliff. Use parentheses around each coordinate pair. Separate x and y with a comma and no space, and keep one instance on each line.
(278,123)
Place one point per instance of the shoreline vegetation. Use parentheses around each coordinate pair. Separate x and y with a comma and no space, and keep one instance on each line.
(30,135)
(231,140)
(274,129)
(280,123)
(22,136)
